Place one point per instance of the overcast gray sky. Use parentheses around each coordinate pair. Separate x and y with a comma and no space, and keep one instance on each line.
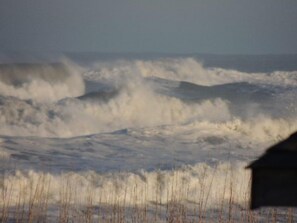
(169,26)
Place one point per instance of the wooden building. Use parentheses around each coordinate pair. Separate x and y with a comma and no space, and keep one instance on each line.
(274,176)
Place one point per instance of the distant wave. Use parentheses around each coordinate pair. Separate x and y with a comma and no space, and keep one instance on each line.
(184,69)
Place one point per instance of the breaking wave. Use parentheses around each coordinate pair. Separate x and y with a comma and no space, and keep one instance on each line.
(53,100)
(41,82)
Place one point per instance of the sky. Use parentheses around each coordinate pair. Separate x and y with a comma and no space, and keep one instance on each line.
(159,26)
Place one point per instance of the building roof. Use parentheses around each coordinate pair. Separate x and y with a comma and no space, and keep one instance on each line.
(281,155)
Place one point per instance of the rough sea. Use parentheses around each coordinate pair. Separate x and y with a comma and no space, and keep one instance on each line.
(106,123)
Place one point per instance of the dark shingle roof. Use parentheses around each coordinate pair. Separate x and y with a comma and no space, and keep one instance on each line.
(281,155)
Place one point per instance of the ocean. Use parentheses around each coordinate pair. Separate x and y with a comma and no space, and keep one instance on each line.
(141,130)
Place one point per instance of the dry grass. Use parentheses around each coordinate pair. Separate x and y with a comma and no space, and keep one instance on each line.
(34,200)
